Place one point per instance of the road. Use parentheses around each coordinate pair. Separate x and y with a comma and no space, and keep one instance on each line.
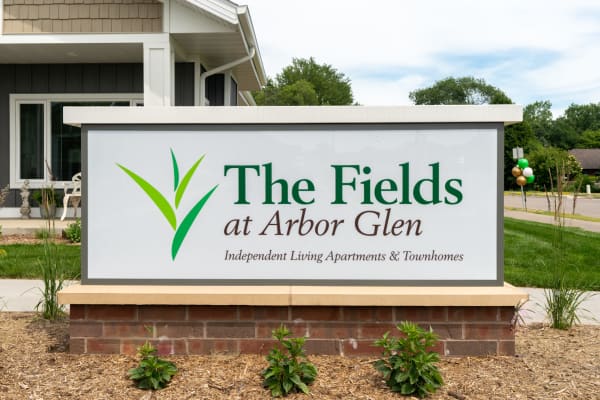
(584,206)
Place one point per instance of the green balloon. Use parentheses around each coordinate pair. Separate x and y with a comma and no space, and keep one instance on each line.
(523,163)
(530,179)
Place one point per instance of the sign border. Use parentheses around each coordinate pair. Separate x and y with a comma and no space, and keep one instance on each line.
(498,126)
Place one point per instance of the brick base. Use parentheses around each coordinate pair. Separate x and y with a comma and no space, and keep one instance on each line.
(349,331)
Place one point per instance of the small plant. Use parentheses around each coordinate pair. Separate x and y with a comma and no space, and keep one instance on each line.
(153,372)
(289,370)
(53,276)
(3,253)
(408,366)
(73,232)
(43,234)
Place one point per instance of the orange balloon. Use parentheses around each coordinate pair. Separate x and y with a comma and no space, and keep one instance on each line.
(521,180)
(516,171)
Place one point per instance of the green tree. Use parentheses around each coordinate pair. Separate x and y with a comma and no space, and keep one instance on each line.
(305,82)
(465,90)
(589,139)
(544,161)
(539,116)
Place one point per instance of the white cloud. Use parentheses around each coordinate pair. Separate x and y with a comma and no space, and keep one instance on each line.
(531,49)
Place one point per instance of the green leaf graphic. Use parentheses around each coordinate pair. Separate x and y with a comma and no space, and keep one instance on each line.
(185,181)
(158,199)
(187,222)
(175,171)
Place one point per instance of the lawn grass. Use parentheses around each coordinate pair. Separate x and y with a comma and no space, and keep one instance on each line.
(528,255)
(22,260)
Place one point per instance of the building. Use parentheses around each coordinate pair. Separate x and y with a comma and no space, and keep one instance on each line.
(56,53)
(589,160)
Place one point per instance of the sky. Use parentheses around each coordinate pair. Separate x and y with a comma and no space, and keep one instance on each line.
(530,49)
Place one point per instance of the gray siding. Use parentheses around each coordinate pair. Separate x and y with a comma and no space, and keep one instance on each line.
(184,84)
(58,78)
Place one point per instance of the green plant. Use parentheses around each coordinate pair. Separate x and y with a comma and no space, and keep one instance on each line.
(408,364)
(43,234)
(73,232)
(53,276)
(289,370)
(562,298)
(153,372)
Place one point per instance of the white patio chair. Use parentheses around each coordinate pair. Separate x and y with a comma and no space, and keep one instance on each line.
(74,195)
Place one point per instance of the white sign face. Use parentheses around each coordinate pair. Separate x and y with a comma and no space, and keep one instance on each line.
(292,205)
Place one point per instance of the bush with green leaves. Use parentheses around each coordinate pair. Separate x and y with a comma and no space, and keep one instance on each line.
(408,364)
(73,232)
(52,271)
(289,370)
(153,372)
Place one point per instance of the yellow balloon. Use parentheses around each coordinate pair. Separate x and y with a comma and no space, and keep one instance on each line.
(521,180)
(516,171)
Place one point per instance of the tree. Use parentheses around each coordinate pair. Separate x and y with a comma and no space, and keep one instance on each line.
(305,82)
(539,117)
(465,90)
(589,139)
(545,160)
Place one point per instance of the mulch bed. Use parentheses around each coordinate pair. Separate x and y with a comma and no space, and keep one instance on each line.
(35,364)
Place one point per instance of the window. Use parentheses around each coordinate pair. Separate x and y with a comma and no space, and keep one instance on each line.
(41,145)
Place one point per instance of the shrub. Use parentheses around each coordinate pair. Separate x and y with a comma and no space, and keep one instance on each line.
(408,366)
(289,370)
(153,372)
(73,232)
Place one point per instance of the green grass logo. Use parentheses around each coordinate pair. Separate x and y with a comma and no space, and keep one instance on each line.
(165,207)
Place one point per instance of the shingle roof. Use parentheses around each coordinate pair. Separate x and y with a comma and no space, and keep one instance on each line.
(589,158)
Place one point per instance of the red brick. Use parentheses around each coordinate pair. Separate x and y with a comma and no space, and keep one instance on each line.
(212,313)
(111,313)
(85,329)
(479,314)
(162,313)
(103,346)
(264,313)
(439,347)
(368,314)
(230,330)
(256,346)
(212,346)
(352,347)
(471,347)
(77,346)
(316,313)
(506,348)
(180,329)
(422,314)
(77,311)
(265,329)
(489,331)
(333,330)
(128,329)
(507,314)
(130,346)
(170,347)
(446,331)
(323,346)
(376,331)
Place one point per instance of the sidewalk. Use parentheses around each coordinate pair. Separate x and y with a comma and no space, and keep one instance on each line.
(548,219)
(17,226)
(23,295)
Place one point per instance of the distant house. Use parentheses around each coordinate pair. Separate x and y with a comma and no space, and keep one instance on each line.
(589,160)
(122,53)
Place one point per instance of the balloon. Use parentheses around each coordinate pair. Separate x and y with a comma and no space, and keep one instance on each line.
(527,172)
(516,171)
(523,163)
(530,179)
(521,180)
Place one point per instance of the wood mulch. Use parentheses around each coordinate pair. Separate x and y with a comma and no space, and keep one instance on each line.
(35,364)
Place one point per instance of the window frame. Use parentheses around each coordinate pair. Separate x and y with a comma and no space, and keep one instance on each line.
(15,100)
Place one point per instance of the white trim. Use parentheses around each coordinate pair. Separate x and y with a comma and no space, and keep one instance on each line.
(166,15)
(1,18)
(46,99)
(93,38)
(506,114)
(227,88)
